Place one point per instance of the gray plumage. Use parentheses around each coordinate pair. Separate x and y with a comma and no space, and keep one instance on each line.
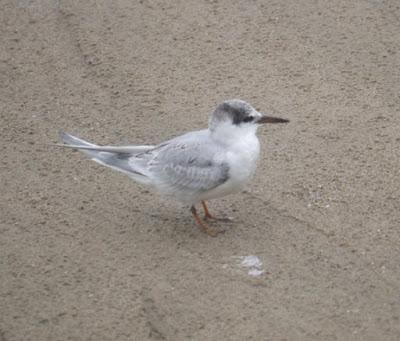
(179,167)
(197,166)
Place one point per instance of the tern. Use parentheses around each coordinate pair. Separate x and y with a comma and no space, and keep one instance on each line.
(194,167)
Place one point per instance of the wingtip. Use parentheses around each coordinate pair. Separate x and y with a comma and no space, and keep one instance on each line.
(62,134)
(68,138)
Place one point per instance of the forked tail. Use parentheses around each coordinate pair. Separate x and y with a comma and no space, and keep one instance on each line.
(119,158)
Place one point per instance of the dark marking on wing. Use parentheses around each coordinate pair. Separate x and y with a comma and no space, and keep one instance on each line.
(119,160)
(225,174)
(123,156)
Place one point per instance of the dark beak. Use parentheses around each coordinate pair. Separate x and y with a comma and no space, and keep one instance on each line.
(271,119)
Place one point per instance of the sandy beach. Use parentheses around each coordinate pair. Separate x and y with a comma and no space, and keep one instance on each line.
(313,252)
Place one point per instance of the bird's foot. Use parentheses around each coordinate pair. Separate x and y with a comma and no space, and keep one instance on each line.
(204,226)
(222,220)
(209,216)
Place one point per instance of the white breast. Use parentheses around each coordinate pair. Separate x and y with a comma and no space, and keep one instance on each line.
(241,155)
(242,159)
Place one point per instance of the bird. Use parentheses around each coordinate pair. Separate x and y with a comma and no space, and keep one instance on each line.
(195,167)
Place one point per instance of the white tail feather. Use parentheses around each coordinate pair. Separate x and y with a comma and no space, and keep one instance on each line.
(117,158)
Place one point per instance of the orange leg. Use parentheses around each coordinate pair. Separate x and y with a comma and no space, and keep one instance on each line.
(207,213)
(202,224)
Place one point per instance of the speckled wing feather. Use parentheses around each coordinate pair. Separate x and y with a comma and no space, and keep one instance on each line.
(188,166)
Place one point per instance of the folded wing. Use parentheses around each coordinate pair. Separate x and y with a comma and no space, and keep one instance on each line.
(188,168)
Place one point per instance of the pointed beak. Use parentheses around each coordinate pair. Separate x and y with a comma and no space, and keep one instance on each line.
(271,119)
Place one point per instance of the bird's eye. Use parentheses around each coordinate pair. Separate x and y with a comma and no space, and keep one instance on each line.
(248,119)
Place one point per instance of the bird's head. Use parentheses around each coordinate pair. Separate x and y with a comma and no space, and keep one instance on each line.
(237,115)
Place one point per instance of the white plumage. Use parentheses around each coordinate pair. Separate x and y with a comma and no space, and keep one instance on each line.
(194,167)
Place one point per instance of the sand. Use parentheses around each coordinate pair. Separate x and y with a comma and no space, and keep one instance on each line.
(87,254)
